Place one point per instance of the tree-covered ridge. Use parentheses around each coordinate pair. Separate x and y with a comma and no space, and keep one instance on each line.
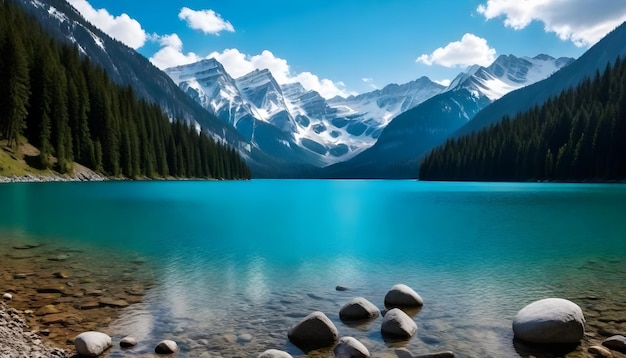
(578,135)
(72,111)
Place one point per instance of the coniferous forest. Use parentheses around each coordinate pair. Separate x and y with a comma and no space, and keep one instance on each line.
(579,135)
(72,112)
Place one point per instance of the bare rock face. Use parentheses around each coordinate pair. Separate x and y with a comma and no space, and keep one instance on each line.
(402,295)
(92,344)
(358,309)
(398,324)
(550,321)
(315,331)
(350,347)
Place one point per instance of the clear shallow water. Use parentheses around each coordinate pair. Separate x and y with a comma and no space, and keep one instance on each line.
(254,257)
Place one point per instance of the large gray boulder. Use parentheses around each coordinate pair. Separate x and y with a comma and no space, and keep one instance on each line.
(274,353)
(313,332)
(350,347)
(551,320)
(402,295)
(91,343)
(358,309)
(398,324)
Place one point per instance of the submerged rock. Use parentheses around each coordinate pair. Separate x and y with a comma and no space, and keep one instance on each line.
(92,344)
(128,342)
(358,309)
(7,297)
(616,343)
(445,354)
(341,288)
(350,347)
(599,351)
(274,353)
(551,321)
(398,324)
(315,331)
(402,295)
(166,347)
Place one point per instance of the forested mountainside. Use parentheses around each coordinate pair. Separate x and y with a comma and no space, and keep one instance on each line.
(71,110)
(578,135)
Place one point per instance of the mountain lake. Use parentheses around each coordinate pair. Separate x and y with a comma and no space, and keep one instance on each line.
(236,264)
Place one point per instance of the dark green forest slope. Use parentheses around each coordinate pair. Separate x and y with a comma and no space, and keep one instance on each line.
(579,135)
(72,112)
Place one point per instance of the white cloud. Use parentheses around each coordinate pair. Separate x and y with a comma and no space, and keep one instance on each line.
(584,22)
(207,21)
(370,82)
(444,83)
(238,64)
(122,28)
(171,54)
(469,51)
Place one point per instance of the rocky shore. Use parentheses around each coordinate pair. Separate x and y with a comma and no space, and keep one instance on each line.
(81,173)
(17,340)
(51,294)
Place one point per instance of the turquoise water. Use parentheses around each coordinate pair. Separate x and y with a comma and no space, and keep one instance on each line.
(254,257)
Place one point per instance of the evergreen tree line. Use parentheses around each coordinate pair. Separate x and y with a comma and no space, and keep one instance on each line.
(578,135)
(70,109)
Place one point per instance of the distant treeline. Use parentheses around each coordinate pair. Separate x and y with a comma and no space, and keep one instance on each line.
(71,110)
(579,135)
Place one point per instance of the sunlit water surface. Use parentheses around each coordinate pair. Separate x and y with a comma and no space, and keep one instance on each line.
(252,258)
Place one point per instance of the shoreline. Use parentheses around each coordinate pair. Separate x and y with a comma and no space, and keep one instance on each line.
(55,293)
(37,325)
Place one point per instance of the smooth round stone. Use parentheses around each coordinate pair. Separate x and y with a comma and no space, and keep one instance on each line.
(91,343)
(274,353)
(616,343)
(128,342)
(358,309)
(315,331)
(446,354)
(398,324)
(166,347)
(599,351)
(402,295)
(350,347)
(550,321)
(7,297)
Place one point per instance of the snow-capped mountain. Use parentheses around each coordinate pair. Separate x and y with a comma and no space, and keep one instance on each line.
(329,130)
(418,130)
(507,74)
(208,83)
(261,90)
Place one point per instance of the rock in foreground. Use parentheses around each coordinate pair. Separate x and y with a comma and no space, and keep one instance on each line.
(616,343)
(358,309)
(313,332)
(274,353)
(550,321)
(402,295)
(92,344)
(398,324)
(350,347)
(166,347)
(128,342)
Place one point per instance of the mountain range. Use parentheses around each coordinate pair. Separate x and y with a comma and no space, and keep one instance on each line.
(339,129)
(284,130)
(330,131)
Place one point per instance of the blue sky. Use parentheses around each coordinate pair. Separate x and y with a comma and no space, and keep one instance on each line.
(353,46)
